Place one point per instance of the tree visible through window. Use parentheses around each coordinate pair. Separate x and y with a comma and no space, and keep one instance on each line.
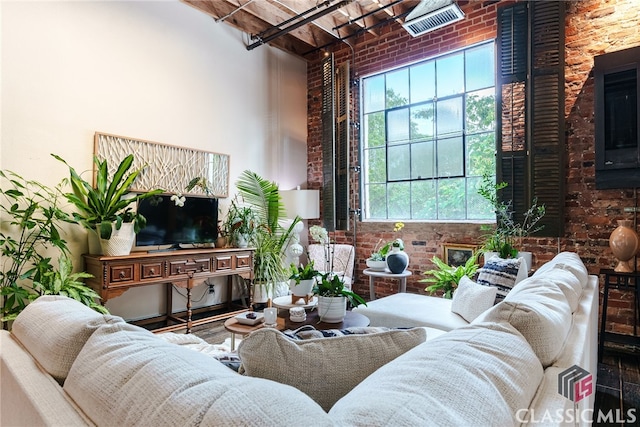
(428,137)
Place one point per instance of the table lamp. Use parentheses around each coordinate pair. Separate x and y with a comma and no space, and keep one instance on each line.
(306,205)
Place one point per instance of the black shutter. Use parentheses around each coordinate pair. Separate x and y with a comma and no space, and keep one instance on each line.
(546,106)
(531,134)
(512,164)
(342,147)
(335,145)
(328,143)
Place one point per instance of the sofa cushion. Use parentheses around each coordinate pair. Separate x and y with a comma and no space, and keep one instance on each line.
(541,313)
(406,310)
(324,368)
(471,299)
(569,261)
(559,277)
(473,376)
(127,376)
(54,328)
(502,274)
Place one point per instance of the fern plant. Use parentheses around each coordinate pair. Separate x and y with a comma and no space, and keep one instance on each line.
(446,278)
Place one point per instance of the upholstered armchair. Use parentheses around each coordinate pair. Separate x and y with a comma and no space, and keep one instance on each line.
(338,258)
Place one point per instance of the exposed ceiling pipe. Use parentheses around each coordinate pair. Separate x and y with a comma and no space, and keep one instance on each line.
(350,21)
(295,11)
(325,3)
(298,24)
(234,11)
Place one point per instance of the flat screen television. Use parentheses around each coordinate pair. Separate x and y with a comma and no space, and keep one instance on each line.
(179,227)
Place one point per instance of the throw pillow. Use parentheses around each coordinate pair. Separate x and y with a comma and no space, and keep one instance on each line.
(471,299)
(503,274)
(126,376)
(327,368)
(308,331)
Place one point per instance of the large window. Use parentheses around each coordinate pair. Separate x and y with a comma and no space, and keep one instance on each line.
(428,137)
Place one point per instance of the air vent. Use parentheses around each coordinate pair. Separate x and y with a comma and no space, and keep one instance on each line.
(430,15)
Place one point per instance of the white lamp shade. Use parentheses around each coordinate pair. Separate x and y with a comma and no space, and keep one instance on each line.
(303,203)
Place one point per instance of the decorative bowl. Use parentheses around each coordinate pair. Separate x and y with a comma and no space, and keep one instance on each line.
(376,265)
(243,319)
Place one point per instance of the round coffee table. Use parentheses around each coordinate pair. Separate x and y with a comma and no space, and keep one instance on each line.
(351,320)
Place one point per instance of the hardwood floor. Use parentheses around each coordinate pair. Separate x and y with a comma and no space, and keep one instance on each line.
(617,388)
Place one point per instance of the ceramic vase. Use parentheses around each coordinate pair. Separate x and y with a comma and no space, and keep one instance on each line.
(332,309)
(624,245)
(397,260)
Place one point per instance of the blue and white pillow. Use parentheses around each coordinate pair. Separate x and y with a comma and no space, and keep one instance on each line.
(502,274)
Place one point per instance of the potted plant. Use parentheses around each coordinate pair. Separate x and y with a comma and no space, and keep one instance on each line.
(378,258)
(31,233)
(106,207)
(333,297)
(241,222)
(508,234)
(302,281)
(446,278)
(270,238)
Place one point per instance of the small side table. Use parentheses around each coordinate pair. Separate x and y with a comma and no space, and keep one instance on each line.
(402,280)
(626,282)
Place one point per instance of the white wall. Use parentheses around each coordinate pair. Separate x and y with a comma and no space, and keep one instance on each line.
(153,70)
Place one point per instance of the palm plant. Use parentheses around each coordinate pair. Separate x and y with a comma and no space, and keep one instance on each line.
(270,237)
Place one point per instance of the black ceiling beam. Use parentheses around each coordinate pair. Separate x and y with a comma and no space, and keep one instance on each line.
(292,27)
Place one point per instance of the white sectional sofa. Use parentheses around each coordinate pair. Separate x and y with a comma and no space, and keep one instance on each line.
(64,365)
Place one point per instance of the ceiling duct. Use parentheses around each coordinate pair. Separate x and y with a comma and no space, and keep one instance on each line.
(429,15)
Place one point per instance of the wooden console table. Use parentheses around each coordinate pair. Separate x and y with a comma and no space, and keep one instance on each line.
(185,268)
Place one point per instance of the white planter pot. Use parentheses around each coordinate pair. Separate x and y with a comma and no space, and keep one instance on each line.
(120,242)
(302,289)
(376,265)
(488,255)
(242,240)
(528,258)
(262,293)
(332,309)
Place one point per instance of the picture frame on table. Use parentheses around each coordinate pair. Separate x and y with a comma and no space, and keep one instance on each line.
(456,254)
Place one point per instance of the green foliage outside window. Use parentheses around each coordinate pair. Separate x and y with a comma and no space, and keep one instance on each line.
(426,143)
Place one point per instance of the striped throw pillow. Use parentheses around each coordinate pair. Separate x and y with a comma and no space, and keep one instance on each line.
(502,274)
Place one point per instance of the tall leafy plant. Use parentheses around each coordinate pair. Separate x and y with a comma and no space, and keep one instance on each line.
(508,232)
(109,202)
(31,221)
(270,237)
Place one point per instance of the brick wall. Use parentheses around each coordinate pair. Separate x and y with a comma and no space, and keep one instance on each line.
(592,27)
